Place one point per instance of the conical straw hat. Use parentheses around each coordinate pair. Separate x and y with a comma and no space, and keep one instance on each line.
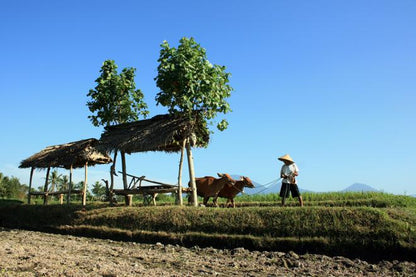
(286,158)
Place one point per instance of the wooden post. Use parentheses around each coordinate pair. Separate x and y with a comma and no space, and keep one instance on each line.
(45,188)
(127,198)
(84,192)
(112,172)
(68,198)
(61,198)
(30,185)
(180,199)
(191,173)
(154,199)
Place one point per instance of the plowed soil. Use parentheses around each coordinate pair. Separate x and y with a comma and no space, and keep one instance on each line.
(27,253)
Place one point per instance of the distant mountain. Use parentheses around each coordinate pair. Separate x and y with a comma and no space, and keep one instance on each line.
(413,195)
(359,187)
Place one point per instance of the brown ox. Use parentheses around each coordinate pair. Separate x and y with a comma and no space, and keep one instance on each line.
(230,192)
(209,186)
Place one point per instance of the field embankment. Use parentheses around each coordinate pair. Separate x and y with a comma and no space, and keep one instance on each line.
(364,231)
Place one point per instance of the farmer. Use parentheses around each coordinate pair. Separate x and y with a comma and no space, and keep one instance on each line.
(288,174)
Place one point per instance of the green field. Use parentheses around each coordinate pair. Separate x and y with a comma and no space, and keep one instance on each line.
(366,225)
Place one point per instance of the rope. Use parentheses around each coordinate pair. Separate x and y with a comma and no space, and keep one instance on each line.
(267,185)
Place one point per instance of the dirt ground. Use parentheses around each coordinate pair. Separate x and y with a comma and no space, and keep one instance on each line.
(26,253)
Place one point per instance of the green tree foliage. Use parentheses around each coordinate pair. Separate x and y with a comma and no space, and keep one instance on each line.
(78,186)
(188,82)
(115,99)
(63,184)
(10,187)
(54,180)
(2,186)
(98,190)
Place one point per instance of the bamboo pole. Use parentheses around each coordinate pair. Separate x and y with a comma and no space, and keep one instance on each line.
(30,184)
(68,198)
(180,199)
(191,173)
(45,188)
(84,191)
(127,198)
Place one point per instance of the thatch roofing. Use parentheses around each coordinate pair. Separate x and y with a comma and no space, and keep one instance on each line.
(75,153)
(159,133)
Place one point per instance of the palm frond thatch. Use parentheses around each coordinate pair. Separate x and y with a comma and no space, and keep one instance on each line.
(75,153)
(159,133)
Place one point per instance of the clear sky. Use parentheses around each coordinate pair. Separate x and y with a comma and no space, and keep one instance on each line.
(332,83)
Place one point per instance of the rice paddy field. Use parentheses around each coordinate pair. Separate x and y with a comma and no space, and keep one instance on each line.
(373,226)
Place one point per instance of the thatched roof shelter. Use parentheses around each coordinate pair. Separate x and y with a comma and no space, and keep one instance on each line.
(71,155)
(159,133)
(75,154)
(168,133)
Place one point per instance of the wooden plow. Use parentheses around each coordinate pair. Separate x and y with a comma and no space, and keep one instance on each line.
(149,192)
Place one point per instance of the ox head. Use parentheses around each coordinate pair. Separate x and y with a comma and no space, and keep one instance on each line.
(247,182)
(227,178)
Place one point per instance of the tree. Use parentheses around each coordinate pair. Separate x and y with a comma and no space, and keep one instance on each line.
(188,82)
(54,180)
(3,189)
(116,100)
(10,187)
(98,190)
(63,185)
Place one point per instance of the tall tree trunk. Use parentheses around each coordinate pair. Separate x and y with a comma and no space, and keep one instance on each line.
(127,198)
(84,191)
(180,199)
(68,199)
(45,188)
(112,173)
(192,173)
(30,184)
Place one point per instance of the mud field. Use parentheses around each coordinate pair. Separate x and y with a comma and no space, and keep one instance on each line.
(26,253)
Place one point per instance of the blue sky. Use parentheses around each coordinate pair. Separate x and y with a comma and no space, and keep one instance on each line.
(332,83)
